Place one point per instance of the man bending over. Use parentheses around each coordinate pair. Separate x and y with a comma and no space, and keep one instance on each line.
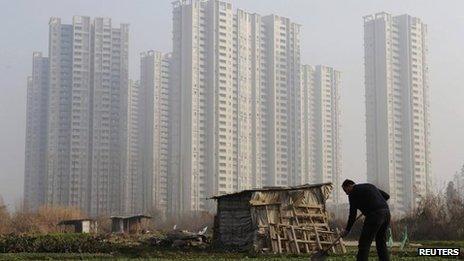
(372,202)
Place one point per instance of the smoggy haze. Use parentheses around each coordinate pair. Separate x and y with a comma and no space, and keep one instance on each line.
(332,34)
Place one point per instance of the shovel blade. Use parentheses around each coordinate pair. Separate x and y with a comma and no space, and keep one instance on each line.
(319,256)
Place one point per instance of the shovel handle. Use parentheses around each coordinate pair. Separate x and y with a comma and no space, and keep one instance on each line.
(338,238)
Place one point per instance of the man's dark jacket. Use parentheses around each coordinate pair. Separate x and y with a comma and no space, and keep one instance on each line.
(367,198)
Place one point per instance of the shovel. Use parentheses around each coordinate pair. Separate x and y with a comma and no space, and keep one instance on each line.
(322,254)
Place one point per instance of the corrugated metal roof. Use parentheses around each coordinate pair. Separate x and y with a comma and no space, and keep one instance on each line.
(129,217)
(75,221)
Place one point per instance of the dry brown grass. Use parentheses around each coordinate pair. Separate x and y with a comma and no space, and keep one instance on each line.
(4,218)
(45,220)
(104,225)
(438,217)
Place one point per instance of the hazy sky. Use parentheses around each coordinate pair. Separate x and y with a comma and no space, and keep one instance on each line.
(332,34)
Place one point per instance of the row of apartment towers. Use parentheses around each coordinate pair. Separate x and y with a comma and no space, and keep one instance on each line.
(230,108)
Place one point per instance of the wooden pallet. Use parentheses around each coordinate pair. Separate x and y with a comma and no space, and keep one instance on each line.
(302,229)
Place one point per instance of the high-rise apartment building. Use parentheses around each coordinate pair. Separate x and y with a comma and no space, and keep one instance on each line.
(234,78)
(321,120)
(36,133)
(134,182)
(154,106)
(86,115)
(458,180)
(397,107)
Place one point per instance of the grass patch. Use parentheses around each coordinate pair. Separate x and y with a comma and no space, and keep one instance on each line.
(87,247)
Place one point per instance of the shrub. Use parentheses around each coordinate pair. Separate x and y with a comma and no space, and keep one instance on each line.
(444,212)
(5,226)
(57,243)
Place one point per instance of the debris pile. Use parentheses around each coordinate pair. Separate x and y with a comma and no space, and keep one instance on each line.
(183,239)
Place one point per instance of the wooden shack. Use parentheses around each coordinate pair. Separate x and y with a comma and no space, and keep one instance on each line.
(128,224)
(85,225)
(275,219)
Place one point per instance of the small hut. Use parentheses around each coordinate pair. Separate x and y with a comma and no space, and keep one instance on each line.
(275,219)
(85,225)
(128,224)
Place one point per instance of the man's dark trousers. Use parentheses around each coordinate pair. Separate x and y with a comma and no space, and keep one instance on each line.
(375,226)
